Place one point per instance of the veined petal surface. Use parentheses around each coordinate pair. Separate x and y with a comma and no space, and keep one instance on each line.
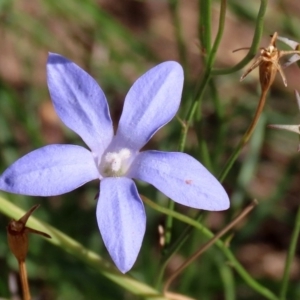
(79,102)
(181,178)
(49,171)
(152,101)
(121,220)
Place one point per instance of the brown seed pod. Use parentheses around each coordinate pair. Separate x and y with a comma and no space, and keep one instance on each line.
(17,235)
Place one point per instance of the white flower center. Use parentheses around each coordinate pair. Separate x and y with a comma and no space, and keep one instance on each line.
(116,164)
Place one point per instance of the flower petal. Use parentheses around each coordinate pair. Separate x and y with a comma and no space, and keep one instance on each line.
(292,128)
(297,98)
(181,178)
(291,60)
(49,171)
(79,102)
(121,220)
(152,101)
(289,42)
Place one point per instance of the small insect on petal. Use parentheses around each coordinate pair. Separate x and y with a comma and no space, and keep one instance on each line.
(188,181)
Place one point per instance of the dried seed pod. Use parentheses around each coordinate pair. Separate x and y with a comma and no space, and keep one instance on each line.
(268,63)
(17,235)
(17,239)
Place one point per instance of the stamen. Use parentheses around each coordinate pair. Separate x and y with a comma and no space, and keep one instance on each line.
(116,163)
(114,160)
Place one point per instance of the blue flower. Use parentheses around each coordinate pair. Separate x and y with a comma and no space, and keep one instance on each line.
(152,101)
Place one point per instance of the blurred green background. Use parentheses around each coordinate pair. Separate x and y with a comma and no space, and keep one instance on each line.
(116,41)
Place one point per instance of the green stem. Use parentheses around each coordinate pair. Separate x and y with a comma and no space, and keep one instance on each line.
(289,258)
(207,245)
(76,249)
(172,250)
(200,91)
(228,281)
(169,225)
(255,42)
(196,103)
(173,5)
(204,30)
(220,125)
(220,244)
(246,136)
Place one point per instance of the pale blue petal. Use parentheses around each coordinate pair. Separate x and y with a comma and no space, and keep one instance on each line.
(152,101)
(79,102)
(181,178)
(121,220)
(50,171)
(289,42)
(291,60)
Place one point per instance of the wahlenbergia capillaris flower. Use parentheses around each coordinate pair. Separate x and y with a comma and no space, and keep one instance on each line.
(152,101)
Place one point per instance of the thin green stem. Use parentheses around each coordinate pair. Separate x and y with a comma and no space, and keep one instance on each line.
(247,169)
(173,5)
(196,103)
(164,263)
(204,30)
(220,244)
(83,254)
(169,225)
(207,245)
(246,136)
(205,155)
(200,91)
(171,251)
(228,281)
(290,257)
(219,125)
(255,42)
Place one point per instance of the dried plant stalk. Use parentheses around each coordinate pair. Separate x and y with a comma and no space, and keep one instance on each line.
(17,236)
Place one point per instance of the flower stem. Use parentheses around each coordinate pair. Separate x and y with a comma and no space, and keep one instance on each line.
(24,280)
(204,30)
(289,258)
(220,244)
(172,250)
(169,225)
(196,103)
(246,136)
(207,75)
(255,42)
(173,6)
(228,281)
(207,245)
(197,100)
(83,254)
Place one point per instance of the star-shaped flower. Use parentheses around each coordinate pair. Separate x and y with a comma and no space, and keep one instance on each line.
(152,101)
